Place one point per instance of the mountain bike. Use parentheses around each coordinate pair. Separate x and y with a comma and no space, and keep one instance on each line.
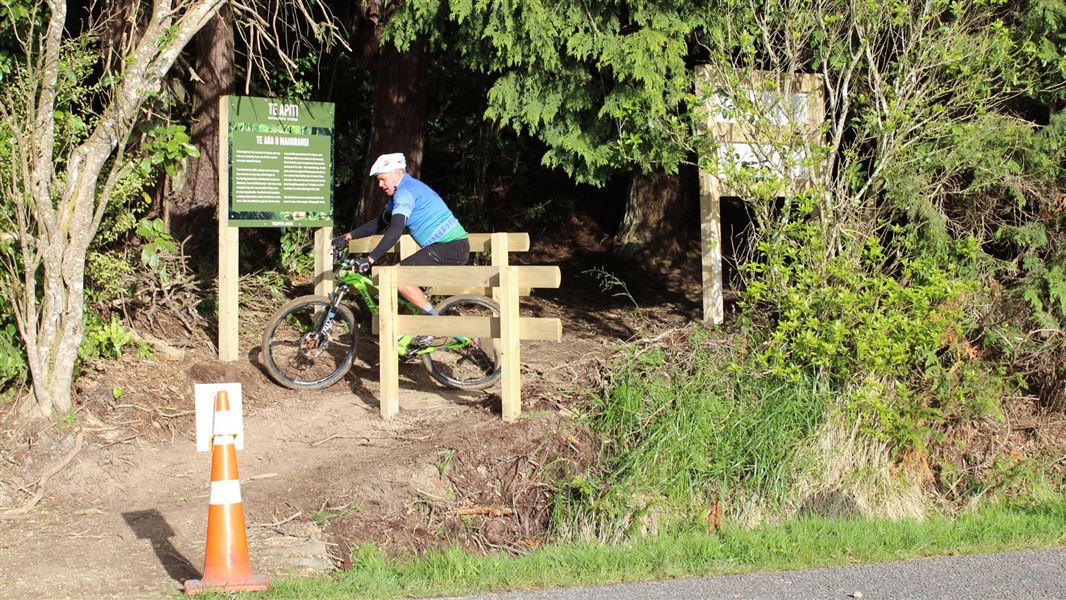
(311,342)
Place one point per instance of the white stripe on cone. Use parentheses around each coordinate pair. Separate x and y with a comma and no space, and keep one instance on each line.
(225,423)
(225,492)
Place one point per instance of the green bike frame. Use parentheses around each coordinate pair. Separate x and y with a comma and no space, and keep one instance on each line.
(366,289)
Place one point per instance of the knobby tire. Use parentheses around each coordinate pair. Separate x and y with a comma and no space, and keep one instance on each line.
(473,368)
(286,344)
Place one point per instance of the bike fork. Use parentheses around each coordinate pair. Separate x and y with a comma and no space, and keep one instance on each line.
(326,318)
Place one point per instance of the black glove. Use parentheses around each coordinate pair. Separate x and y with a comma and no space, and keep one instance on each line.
(362,264)
(340,242)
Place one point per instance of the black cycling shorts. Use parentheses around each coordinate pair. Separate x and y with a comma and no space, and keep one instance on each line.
(455,252)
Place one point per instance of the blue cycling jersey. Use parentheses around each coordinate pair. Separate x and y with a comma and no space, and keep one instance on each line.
(428,218)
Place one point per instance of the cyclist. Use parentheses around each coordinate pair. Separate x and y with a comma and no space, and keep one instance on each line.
(414,206)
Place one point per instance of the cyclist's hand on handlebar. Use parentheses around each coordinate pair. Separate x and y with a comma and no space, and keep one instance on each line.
(362,264)
(340,242)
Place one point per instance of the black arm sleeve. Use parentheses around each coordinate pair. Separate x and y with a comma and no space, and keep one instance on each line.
(391,236)
(370,227)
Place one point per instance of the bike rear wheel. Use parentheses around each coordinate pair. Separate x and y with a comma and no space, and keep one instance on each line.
(465,366)
(302,353)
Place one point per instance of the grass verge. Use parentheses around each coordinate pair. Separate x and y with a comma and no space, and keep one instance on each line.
(801,544)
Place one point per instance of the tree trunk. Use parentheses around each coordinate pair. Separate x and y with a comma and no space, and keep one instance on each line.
(58,214)
(659,219)
(119,33)
(191,212)
(399,118)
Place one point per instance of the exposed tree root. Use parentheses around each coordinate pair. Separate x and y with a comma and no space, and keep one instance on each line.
(21,511)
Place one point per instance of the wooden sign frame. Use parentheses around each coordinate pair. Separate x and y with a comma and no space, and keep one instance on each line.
(712,187)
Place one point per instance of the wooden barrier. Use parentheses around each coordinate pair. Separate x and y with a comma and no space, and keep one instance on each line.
(500,245)
(490,281)
(509,328)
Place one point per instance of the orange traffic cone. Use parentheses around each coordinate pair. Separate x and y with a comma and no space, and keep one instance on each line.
(226,566)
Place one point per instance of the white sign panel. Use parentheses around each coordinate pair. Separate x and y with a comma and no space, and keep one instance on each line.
(739,155)
(205,413)
(762,105)
(768,108)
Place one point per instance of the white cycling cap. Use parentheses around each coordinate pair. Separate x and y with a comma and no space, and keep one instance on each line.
(388,162)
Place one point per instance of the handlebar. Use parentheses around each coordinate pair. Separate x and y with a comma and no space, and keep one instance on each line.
(343,260)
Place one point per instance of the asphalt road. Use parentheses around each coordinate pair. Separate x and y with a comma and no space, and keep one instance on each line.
(1031,575)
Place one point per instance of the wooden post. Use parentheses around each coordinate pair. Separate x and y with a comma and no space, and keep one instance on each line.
(228,270)
(498,249)
(323,261)
(407,246)
(510,345)
(711,249)
(389,362)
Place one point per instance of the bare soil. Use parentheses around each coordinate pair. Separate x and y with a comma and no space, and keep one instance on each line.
(321,471)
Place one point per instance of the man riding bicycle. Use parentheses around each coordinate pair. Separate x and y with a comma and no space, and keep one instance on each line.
(415,207)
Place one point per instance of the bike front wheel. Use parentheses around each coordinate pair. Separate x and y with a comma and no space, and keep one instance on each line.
(465,363)
(303,351)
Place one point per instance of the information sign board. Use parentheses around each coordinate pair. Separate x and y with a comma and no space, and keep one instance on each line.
(280,163)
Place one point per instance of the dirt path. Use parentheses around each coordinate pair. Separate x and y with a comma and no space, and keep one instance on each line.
(128,517)
(320,470)
(132,518)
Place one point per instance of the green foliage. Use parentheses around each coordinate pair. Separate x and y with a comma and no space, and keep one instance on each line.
(108,276)
(110,270)
(1044,289)
(20,18)
(65,421)
(104,339)
(1008,476)
(13,365)
(604,86)
(446,458)
(679,433)
(1040,28)
(109,267)
(166,146)
(1015,476)
(879,275)
(156,240)
(76,90)
(297,82)
(610,283)
(889,327)
(296,256)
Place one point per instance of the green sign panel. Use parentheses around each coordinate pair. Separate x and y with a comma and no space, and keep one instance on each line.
(280,163)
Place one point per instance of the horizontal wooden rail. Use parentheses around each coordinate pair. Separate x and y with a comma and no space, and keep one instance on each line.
(455,290)
(529,328)
(484,277)
(479,242)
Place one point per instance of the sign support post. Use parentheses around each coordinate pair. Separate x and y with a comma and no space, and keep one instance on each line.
(323,261)
(711,249)
(228,275)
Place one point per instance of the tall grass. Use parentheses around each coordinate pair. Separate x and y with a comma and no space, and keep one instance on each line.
(683,436)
